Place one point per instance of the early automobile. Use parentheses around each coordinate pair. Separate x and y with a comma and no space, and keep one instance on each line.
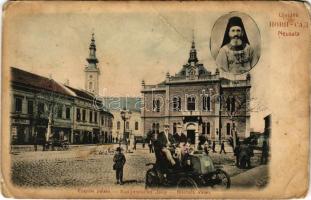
(199,171)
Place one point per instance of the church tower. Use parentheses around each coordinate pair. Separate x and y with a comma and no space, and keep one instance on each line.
(91,70)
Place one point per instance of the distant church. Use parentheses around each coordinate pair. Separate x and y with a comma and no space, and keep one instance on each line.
(204,104)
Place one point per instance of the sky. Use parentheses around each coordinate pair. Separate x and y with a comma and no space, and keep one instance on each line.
(133,44)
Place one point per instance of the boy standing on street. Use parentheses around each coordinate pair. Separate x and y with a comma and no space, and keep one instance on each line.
(119,161)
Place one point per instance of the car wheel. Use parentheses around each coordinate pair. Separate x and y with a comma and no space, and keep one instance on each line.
(186,182)
(222,179)
(152,179)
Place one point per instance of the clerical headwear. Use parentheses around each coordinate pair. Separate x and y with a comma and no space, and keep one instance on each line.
(234,21)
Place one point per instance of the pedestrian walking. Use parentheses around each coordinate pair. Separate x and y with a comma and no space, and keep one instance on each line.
(35,141)
(222,147)
(119,161)
(134,148)
(213,147)
(127,145)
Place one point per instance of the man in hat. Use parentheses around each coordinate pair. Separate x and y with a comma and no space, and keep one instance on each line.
(119,161)
(236,55)
(164,140)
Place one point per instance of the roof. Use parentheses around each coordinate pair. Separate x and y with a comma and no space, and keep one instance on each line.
(33,80)
(81,93)
(119,103)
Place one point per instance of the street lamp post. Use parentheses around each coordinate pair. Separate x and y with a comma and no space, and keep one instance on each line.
(125,115)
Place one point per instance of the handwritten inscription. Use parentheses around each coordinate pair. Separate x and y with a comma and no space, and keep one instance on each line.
(289,24)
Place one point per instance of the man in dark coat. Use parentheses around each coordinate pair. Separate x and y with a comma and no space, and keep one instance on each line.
(179,136)
(119,161)
(213,147)
(164,140)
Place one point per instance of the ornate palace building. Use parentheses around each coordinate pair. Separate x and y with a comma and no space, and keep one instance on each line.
(205,104)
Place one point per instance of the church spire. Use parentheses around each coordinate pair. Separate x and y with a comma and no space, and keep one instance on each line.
(193,52)
(92,60)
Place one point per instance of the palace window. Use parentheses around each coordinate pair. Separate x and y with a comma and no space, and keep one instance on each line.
(118,125)
(176,104)
(95,117)
(91,116)
(206,127)
(40,108)
(30,107)
(191,103)
(127,125)
(155,127)
(136,126)
(18,104)
(59,111)
(156,105)
(83,115)
(78,114)
(67,112)
(206,103)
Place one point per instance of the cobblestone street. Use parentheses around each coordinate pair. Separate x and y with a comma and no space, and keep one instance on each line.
(86,166)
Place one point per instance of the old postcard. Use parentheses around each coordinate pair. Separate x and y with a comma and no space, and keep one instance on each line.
(202,99)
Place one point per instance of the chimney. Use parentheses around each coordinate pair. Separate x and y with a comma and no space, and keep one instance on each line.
(67,82)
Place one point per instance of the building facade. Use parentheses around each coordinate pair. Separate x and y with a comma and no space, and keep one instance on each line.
(36,98)
(92,122)
(205,104)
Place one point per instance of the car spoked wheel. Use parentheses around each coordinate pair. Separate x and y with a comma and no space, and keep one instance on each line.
(151,179)
(187,182)
(222,179)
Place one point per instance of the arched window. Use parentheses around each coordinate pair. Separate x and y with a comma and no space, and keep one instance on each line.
(127,125)
(156,105)
(118,125)
(228,128)
(191,103)
(136,126)
(206,103)
(176,104)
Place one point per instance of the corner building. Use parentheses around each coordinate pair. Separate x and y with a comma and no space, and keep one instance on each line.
(205,104)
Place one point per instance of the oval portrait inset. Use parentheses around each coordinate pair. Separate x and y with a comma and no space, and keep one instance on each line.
(235,43)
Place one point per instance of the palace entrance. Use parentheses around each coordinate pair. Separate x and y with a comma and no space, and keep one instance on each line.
(191,129)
